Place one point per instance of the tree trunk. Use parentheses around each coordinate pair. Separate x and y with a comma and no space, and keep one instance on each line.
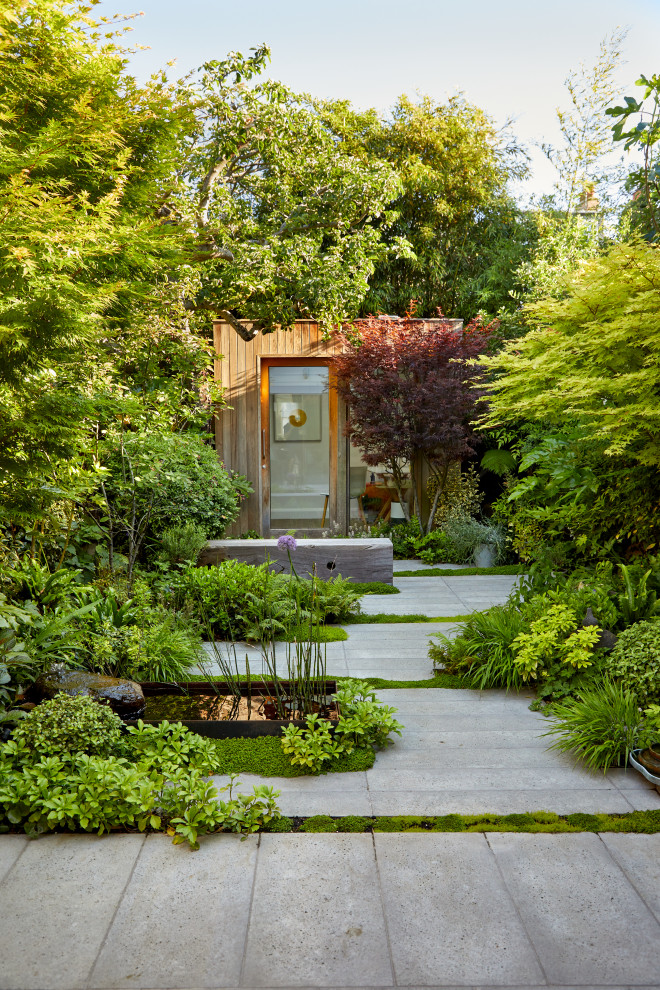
(441,481)
(396,474)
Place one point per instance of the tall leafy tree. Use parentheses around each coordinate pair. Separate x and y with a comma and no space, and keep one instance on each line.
(587,378)
(638,126)
(285,217)
(456,235)
(585,161)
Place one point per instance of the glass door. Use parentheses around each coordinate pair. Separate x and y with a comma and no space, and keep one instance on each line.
(299,443)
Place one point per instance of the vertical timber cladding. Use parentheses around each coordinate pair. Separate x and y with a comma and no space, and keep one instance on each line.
(238,431)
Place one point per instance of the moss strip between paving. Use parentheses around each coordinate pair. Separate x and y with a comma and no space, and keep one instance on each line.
(642,822)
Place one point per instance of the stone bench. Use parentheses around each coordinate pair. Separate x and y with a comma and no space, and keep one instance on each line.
(361,560)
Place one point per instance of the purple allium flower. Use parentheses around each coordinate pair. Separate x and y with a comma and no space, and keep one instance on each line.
(286,543)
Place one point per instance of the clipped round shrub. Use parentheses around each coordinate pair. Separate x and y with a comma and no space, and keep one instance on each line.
(636,660)
(70,725)
(179,475)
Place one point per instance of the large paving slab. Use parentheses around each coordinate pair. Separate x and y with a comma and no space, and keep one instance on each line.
(56,904)
(469,930)
(439,596)
(188,913)
(317,915)
(584,916)
(419,565)
(11,848)
(395,650)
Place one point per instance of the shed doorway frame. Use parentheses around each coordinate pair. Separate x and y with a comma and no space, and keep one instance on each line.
(333,514)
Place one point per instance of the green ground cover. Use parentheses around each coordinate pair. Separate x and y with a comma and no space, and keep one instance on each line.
(642,822)
(374,588)
(265,756)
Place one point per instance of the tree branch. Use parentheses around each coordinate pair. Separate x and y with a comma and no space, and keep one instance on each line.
(243,332)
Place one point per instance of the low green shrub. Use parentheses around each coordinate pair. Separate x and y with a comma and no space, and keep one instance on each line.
(577,594)
(556,651)
(363,723)
(67,724)
(177,479)
(182,544)
(161,783)
(242,601)
(636,660)
(436,547)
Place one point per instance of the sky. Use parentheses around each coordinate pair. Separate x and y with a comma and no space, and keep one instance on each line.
(511,58)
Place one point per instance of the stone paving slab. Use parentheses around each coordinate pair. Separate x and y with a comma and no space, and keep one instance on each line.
(639,858)
(501,802)
(412,565)
(187,912)
(648,800)
(396,650)
(57,904)
(11,848)
(469,929)
(317,915)
(584,916)
(442,596)
(447,757)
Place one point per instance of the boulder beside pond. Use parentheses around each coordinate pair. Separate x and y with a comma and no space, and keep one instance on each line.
(123,696)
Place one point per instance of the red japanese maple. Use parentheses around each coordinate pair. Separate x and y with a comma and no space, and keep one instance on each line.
(410,387)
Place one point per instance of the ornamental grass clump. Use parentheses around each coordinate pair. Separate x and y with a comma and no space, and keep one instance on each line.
(602,724)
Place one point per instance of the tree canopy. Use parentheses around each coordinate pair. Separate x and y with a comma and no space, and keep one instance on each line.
(594,357)
(455,233)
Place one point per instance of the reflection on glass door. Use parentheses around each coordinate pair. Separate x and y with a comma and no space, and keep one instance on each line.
(299,446)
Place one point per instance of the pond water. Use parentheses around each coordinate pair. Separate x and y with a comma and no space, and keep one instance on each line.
(177,707)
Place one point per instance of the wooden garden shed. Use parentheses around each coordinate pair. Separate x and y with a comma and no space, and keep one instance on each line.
(283,429)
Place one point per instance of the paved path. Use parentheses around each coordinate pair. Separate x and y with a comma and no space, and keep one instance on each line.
(415,910)
(442,596)
(418,910)
(396,651)
(467,752)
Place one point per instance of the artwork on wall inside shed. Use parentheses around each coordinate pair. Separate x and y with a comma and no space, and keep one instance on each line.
(296,418)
